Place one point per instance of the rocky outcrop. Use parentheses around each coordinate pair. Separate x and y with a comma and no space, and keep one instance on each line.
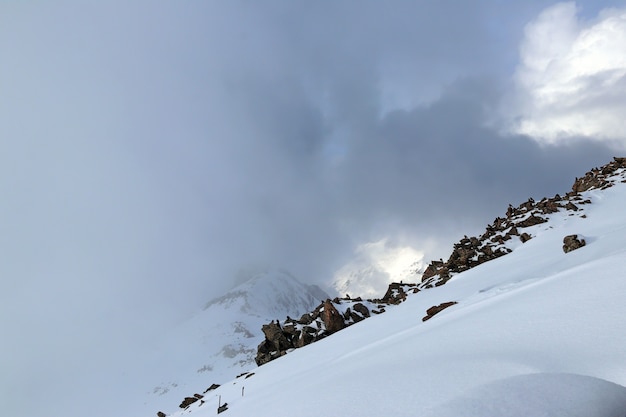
(473,251)
(497,240)
(212,387)
(573,242)
(329,317)
(333,321)
(437,309)
(161,414)
(397,293)
(598,177)
(189,400)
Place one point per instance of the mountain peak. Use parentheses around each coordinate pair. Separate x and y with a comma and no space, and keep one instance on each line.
(220,341)
(270,293)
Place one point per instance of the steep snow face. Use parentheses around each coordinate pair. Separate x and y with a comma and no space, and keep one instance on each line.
(375,266)
(536,324)
(221,340)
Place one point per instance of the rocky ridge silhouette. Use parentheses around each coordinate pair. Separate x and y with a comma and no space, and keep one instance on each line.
(497,240)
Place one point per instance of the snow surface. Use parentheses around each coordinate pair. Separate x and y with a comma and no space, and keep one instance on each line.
(536,333)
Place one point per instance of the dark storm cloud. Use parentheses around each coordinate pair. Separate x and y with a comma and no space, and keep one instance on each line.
(151,149)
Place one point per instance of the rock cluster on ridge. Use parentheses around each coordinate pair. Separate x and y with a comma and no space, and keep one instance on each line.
(473,251)
(329,317)
(496,241)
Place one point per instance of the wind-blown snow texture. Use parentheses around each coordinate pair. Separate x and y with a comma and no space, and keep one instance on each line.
(535,332)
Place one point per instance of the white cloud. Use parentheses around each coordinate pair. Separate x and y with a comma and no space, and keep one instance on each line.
(571,80)
(376,264)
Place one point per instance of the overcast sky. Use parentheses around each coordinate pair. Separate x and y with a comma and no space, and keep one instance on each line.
(150,149)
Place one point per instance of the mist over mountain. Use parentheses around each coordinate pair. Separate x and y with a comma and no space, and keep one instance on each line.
(219,341)
(520,321)
(152,151)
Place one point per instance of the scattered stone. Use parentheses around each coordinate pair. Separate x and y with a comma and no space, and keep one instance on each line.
(212,387)
(161,414)
(188,401)
(361,309)
(525,237)
(531,221)
(572,242)
(222,408)
(437,309)
(331,318)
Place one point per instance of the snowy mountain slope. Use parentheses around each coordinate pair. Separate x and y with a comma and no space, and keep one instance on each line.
(220,341)
(533,319)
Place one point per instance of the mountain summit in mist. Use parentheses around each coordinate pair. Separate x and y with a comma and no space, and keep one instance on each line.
(220,341)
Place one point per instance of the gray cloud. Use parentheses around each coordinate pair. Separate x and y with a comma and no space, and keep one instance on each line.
(149,150)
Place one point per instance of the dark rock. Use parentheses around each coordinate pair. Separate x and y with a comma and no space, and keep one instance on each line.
(525,237)
(572,242)
(305,338)
(437,309)
(331,318)
(355,317)
(188,401)
(222,408)
(598,178)
(305,319)
(212,387)
(395,293)
(361,309)
(161,414)
(274,334)
(531,221)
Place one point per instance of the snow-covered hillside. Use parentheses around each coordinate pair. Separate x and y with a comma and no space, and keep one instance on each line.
(535,332)
(220,341)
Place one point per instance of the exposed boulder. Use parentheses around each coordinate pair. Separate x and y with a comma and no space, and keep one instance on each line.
(437,309)
(573,242)
(305,319)
(331,318)
(361,309)
(275,335)
(212,387)
(525,237)
(188,401)
(531,221)
(396,293)
(161,414)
